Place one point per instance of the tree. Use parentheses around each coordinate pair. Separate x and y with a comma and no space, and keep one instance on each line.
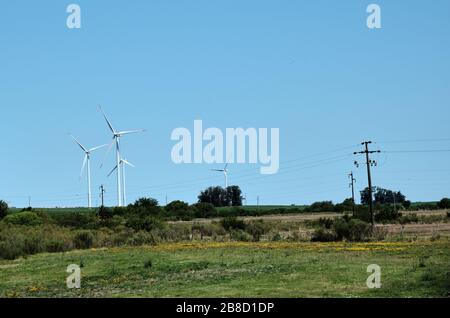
(382,196)
(234,196)
(145,206)
(219,197)
(146,203)
(444,203)
(3,209)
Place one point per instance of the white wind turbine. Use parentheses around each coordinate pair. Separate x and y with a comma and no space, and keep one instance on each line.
(122,165)
(225,172)
(116,139)
(87,159)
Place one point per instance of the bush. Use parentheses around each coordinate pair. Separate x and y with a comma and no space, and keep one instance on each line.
(204,210)
(240,235)
(3,209)
(387,214)
(23,218)
(411,218)
(323,206)
(77,220)
(444,203)
(256,229)
(326,223)
(56,246)
(353,230)
(323,235)
(104,213)
(10,249)
(83,240)
(145,223)
(232,223)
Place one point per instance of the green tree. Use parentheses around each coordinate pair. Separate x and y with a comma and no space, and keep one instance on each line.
(444,203)
(217,196)
(3,209)
(234,196)
(382,196)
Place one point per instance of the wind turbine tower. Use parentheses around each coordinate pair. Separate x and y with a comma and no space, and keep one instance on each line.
(87,164)
(116,140)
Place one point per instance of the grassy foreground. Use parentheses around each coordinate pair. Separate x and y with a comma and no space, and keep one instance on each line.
(236,269)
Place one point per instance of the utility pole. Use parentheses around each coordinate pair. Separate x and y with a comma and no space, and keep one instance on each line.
(352,184)
(102,194)
(369,163)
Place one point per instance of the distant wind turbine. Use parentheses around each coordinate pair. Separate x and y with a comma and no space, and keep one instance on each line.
(87,160)
(225,172)
(122,165)
(116,139)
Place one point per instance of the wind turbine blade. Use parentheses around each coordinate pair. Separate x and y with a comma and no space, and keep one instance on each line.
(96,148)
(128,163)
(84,165)
(226,166)
(122,133)
(107,152)
(78,143)
(107,120)
(217,170)
(109,174)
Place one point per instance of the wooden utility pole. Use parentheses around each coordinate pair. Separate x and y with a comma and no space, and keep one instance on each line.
(352,185)
(369,163)
(102,194)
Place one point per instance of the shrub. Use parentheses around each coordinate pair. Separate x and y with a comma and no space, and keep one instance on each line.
(56,246)
(323,235)
(204,210)
(145,223)
(104,213)
(77,220)
(240,235)
(411,218)
(83,239)
(326,223)
(232,223)
(142,238)
(11,249)
(3,209)
(387,214)
(256,229)
(23,218)
(323,206)
(353,230)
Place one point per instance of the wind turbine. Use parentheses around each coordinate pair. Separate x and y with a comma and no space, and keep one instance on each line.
(116,139)
(87,159)
(225,172)
(122,165)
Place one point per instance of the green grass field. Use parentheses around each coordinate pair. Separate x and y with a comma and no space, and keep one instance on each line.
(236,269)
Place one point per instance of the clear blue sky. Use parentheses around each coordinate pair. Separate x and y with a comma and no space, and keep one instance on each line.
(310,68)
